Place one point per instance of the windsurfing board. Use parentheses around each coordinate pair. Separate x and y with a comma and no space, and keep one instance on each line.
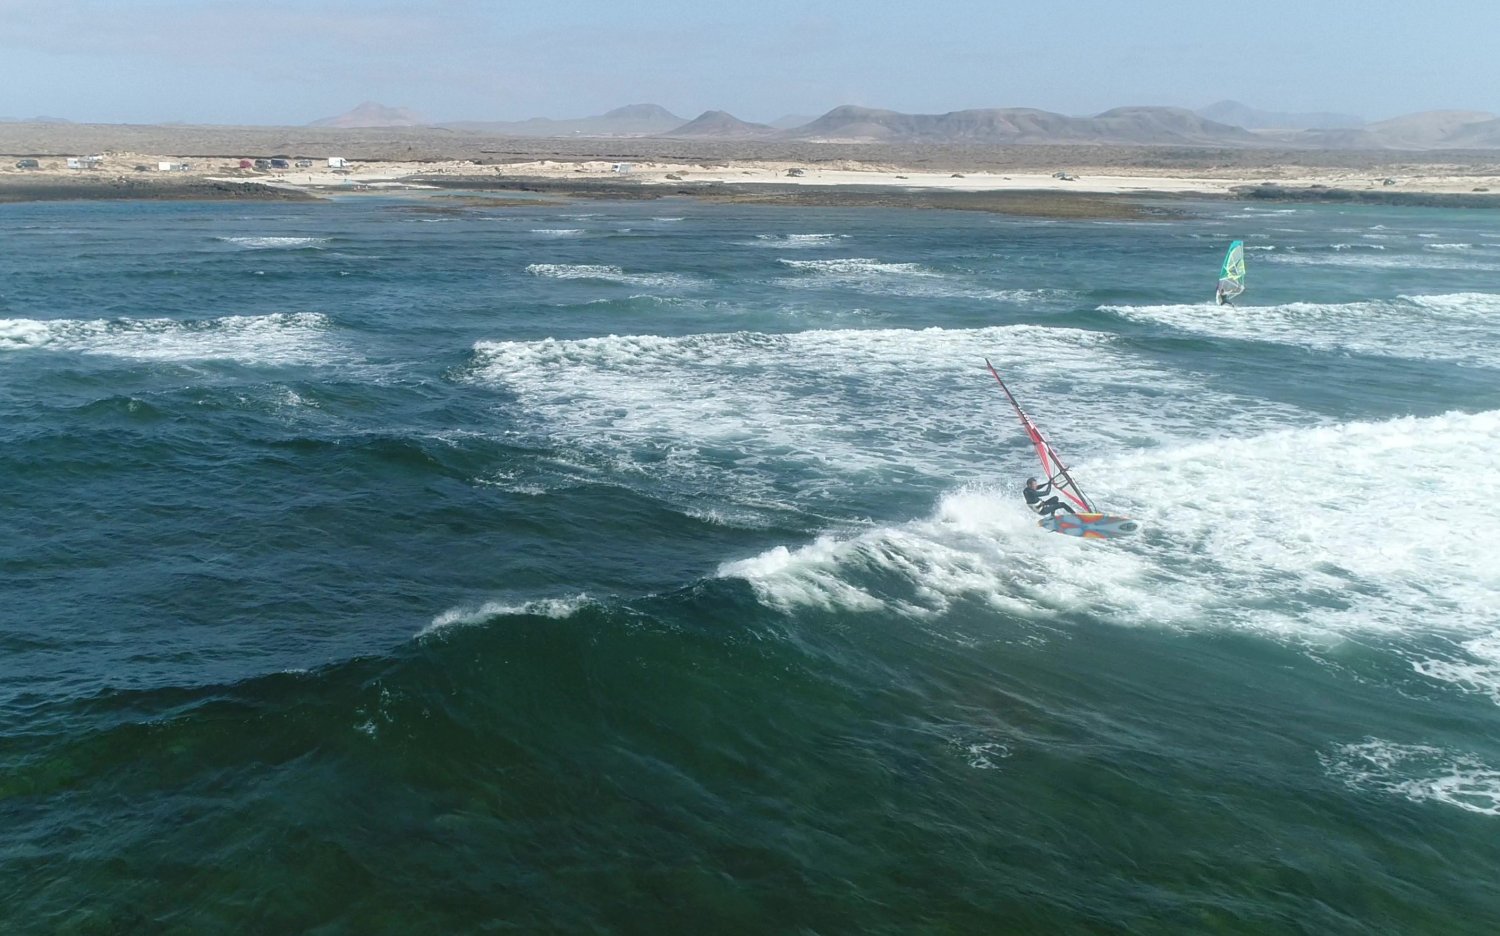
(1089,525)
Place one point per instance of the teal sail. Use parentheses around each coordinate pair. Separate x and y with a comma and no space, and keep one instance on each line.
(1232,274)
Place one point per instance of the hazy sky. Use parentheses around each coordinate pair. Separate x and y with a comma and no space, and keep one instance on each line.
(291,61)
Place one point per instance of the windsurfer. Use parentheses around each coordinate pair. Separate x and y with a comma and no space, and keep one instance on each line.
(1046,507)
(1231,274)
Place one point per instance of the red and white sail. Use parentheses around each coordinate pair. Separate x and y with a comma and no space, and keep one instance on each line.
(1052,465)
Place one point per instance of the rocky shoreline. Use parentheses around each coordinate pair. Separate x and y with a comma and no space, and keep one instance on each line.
(1043,204)
(1269,191)
(146,188)
(1049,203)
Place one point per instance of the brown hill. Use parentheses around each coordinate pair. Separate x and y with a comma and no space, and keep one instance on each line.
(721,125)
(850,123)
(1479,134)
(1166,125)
(370,114)
(1124,125)
(633,120)
(1425,130)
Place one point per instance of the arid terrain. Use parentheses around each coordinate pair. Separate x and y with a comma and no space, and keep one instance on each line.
(953,175)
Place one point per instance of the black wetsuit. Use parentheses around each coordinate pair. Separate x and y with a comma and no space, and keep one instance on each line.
(1046,507)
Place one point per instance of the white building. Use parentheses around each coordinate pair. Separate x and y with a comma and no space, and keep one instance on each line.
(169,167)
(84,162)
(338,162)
(621,167)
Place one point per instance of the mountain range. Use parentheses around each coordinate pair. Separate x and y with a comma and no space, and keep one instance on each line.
(1224,124)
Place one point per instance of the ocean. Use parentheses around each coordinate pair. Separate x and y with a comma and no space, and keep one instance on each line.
(410,564)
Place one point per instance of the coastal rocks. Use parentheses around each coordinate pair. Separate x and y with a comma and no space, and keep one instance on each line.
(90,188)
(1272,191)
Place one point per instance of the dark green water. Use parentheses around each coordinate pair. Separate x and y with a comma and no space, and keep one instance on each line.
(371,568)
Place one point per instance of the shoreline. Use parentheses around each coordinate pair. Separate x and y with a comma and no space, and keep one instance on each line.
(1019,202)
(1113,190)
(45,189)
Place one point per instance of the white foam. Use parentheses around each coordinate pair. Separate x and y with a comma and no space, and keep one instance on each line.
(557,232)
(877,277)
(610,274)
(857,266)
(1337,529)
(1420,773)
(978,546)
(1405,261)
(269,243)
(983,755)
(287,398)
(1306,536)
(510,482)
(557,608)
(725,516)
(1460,327)
(1449,246)
(280,338)
(777,420)
(796,241)
(574,270)
(16,334)
(1472,666)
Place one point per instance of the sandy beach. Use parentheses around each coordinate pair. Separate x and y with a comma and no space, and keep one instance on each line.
(1092,171)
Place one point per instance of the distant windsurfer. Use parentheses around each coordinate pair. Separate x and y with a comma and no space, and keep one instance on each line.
(1231,274)
(1048,507)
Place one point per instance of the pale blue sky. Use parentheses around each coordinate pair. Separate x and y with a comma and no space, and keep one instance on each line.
(291,61)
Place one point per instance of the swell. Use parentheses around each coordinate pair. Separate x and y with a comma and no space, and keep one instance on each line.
(758,758)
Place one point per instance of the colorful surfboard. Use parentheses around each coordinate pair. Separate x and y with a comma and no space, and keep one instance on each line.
(1089,525)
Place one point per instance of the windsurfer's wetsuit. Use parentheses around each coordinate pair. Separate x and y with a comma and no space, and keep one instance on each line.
(1046,507)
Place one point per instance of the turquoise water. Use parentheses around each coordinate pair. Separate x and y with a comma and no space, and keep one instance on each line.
(396,566)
